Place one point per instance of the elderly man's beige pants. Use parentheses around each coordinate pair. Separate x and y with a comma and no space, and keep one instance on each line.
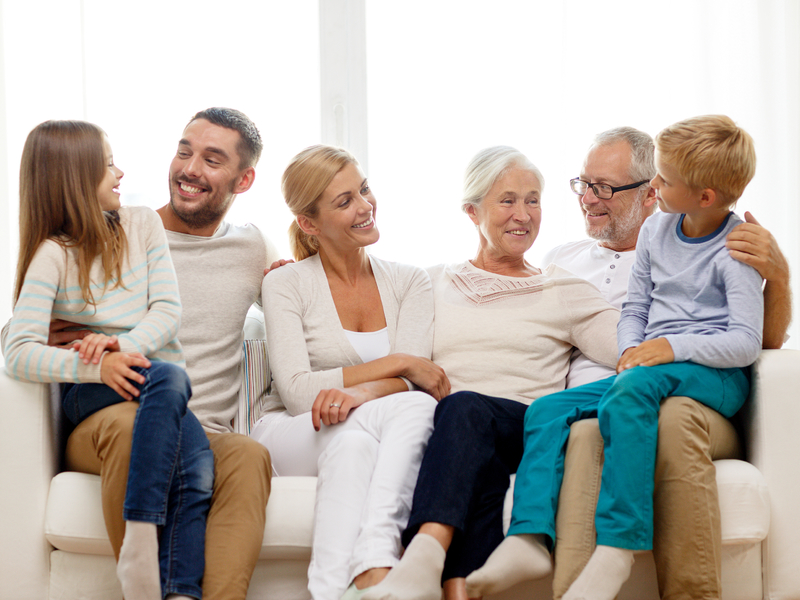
(687,541)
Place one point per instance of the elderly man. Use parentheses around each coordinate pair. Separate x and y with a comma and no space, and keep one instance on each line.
(220,268)
(615,199)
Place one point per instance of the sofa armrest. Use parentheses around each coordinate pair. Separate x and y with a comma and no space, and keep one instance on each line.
(772,430)
(28,461)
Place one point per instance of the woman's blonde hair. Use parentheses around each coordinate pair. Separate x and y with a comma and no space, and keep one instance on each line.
(304,181)
(63,163)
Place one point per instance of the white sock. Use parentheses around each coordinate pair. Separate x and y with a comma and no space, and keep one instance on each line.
(517,558)
(137,568)
(179,597)
(603,575)
(418,575)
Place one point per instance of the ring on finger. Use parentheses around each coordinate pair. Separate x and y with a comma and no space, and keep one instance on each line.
(334,405)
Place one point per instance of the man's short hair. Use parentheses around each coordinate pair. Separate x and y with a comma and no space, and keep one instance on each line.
(710,151)
(642,150)
(250,144)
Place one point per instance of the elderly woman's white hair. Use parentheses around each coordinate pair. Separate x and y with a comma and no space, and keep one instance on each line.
(488,166)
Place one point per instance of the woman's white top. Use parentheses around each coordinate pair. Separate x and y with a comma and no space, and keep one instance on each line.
(308,346)
(370,345)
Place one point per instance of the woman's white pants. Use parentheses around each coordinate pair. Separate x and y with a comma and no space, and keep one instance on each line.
(366,470)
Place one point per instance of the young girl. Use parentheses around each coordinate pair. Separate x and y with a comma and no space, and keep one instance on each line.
(85,260)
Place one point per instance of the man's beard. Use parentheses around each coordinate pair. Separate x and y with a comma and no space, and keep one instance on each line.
(202,215)
(620,228)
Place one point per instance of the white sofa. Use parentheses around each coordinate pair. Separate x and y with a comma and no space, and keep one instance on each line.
(54,544)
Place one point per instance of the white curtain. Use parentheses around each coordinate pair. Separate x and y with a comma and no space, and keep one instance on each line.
(449,78)
(444,79)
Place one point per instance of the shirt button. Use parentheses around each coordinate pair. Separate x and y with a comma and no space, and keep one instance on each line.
(613,267)
(616,256)
(608,281)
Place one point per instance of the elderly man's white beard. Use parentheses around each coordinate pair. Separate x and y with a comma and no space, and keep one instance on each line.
(620,228)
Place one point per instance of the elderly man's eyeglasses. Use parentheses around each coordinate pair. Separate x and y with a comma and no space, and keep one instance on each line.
(601,190)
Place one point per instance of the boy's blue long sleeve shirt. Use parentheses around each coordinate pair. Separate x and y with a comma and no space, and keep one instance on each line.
(709,306)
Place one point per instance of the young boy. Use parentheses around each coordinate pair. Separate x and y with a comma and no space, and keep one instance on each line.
(691,326)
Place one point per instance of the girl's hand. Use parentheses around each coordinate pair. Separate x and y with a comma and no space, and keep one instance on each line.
(647,354)
(117,372)
(91,348)
(333,406)
(428,376)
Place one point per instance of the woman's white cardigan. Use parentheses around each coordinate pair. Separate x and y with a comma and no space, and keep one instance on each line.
(307,344)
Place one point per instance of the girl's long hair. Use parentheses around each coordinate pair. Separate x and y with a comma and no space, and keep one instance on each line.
(63,163)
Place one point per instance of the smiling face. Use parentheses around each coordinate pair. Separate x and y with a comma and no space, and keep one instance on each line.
(108,190)
(509,216)
(615,222)
(205,176)
(345,216)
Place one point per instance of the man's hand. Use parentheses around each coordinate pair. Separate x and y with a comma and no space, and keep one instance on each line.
(753,245)
(64,333)
(276,264)
(647,354)
(91,348)
(117,372)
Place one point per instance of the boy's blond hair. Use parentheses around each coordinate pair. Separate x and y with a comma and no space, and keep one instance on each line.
(710,151)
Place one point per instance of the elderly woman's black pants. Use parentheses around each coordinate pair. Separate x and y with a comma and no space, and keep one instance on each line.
(475,446)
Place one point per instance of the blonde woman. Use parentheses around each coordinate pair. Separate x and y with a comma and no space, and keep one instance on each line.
(350,339)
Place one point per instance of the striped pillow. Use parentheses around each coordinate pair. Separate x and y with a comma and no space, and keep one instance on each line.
(255,385)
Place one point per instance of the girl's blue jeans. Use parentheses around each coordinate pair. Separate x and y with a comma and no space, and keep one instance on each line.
(171,473)
(627,407)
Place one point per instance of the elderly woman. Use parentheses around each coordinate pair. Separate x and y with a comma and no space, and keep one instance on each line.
(349,337)
(504,332)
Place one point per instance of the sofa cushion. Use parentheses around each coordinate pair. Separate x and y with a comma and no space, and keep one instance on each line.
(290,518)
(74,516)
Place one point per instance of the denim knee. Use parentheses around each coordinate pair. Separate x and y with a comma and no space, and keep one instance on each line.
(200,472)
(168,376)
